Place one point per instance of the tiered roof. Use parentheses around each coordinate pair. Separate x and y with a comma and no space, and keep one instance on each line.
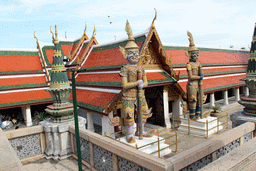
(222,68)
(22,78)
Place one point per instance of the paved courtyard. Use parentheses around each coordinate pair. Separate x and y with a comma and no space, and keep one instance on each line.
(69,164)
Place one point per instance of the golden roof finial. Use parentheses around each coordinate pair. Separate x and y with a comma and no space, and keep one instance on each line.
(153,22)
(85,29)
(36,38)
(52,33)
(94,32)
(56,33)
(65,34)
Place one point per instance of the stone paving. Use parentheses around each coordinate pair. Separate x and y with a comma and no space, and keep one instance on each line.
(69,164)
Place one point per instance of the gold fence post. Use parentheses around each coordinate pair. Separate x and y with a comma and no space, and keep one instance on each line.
(176,138)
(172,121)
(158,142)
(227,120)
(188,126)
(207,128)
(218,124)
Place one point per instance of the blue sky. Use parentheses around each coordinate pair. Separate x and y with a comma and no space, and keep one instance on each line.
(213,23)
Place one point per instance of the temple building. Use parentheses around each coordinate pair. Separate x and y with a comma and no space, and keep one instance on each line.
(25,75)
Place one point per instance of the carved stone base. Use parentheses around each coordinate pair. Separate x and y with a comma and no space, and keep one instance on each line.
(57,138)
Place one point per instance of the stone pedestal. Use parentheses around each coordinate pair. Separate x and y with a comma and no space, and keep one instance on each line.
(57,138)
(149,148)
(238,118)
(199,127)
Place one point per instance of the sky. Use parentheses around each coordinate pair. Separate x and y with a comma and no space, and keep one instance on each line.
(213,23)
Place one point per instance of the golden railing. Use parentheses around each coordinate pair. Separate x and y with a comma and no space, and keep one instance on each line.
(171,143)
(186,117)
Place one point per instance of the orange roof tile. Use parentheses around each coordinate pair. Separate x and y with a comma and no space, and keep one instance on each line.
(106,57)
(95,98)
(22,80)
(20,63)
(49,54)
(66,49)
(179,57)
(23,96)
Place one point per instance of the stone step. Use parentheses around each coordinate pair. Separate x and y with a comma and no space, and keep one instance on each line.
(150,147)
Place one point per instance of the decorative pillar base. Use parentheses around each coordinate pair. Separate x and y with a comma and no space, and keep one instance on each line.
(57,138)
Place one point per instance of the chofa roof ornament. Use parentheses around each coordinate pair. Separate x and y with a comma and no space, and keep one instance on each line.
(192,46)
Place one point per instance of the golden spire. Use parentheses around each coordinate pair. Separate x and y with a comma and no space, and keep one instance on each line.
(131,44)
(52,34)
(36,38)
(85,29)
(94,32)
(56,35)
(65,34)
(153,22)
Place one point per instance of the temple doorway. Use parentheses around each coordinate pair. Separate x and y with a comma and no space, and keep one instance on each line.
(154,97)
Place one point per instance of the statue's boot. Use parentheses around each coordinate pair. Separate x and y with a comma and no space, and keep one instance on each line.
(130,134)
(144,133)
(198,112)
(192,114)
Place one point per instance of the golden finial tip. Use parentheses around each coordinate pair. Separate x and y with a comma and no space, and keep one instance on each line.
(85,28)
(153,22)
(94,31)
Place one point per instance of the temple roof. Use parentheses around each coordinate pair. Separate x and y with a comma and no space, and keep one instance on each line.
(22,79)
(222,68)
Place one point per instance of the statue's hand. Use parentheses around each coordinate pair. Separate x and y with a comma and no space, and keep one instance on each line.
(141,85)
(201,77)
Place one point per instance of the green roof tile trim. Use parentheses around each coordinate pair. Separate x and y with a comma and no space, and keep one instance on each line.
(25,102)
(216,73)
(65,43)
(85,44)
(18,53)
(222,87)
(19,72)
(116,84)
(104,67)
(111,46)
(210,64)
(157,81)
(89,106)
(205,49)
(23,86)
(119,84)
(44,53)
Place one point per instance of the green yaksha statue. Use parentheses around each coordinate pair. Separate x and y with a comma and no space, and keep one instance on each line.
(133,80)
(194,85)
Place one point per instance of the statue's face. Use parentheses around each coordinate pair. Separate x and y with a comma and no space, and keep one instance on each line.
(133,56)
(194,56)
